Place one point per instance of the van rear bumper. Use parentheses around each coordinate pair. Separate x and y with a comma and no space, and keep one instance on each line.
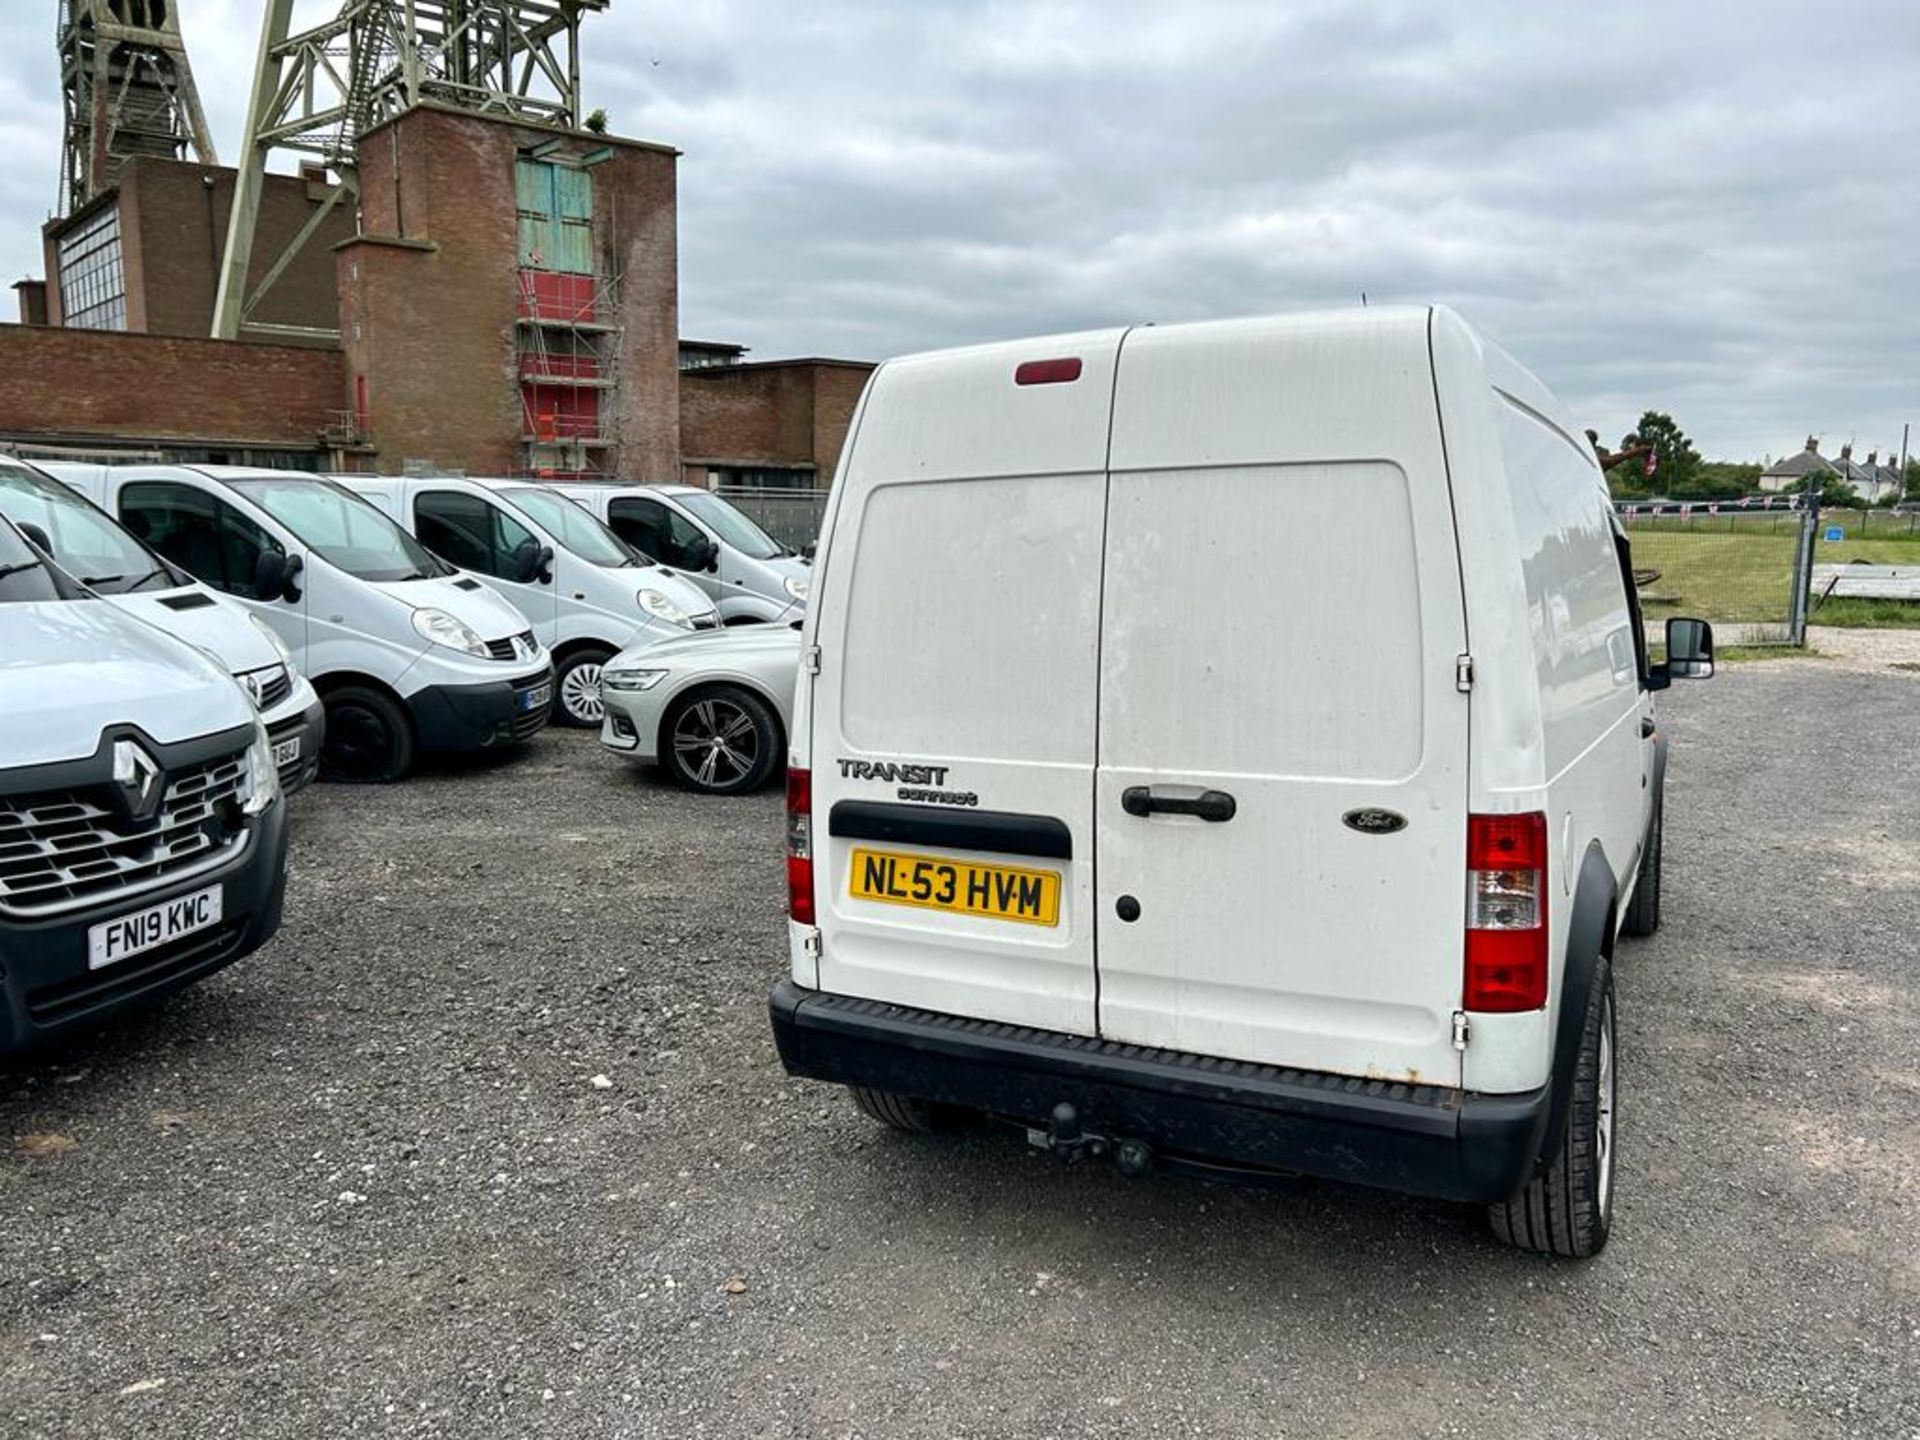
(1417,1139)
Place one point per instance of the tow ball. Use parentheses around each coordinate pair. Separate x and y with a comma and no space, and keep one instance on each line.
(1071,1142)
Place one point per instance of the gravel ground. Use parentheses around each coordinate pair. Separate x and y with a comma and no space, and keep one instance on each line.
(367,1181)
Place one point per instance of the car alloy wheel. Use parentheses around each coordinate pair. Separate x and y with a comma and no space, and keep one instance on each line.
(716,743)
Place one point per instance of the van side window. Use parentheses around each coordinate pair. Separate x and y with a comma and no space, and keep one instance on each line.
(201,533)
(465,530)
(652,528)
(1624,552)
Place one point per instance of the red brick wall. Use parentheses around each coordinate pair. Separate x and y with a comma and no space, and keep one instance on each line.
(79,383)
(431,325)
(793,412)
(173,233)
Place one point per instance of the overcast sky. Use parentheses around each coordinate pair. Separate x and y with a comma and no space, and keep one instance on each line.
(1694,206)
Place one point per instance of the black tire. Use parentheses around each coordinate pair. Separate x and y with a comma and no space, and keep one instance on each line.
(576,688)
(749,732)
(1643,911)
(1569,1209)
(907,1112)
(369,739)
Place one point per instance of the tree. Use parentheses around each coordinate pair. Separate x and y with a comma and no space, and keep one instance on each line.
(1677,463)
(597,122)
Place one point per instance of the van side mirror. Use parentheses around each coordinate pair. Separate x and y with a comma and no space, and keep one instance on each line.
(543,567)
(1689,653)
(36,537)
(529,562)
(269,574)
(709,555)
(290,584)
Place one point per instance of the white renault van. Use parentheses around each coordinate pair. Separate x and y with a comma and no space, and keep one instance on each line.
(589,596)
(752,577)
(95,549)
(142,838)
(408,655)
(1328,882)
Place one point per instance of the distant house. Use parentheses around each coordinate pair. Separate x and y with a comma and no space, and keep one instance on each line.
(1872,481)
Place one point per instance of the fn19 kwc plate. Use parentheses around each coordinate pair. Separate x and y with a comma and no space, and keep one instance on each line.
(157,925)
(960,887)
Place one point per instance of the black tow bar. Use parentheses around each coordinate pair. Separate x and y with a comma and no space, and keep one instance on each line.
(1070,1143)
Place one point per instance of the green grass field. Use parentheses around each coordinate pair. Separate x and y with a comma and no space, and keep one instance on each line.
(1742,571)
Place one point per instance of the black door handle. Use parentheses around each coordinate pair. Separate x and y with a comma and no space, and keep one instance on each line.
(1213,805)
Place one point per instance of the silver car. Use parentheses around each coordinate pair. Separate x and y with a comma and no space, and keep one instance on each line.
(711,709)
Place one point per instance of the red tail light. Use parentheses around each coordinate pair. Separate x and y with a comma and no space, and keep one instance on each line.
(1047,372)
(800,845)
(1506,912)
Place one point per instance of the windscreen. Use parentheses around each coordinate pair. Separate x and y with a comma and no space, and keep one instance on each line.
(22,574)
(84,540)
(731,526)
(573,526)
(343,529)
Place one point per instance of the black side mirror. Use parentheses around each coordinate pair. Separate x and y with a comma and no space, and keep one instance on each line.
(270,569)
(709,555)
(1689,653)
(36,537)
(543,567)
(529,562)
(290,586)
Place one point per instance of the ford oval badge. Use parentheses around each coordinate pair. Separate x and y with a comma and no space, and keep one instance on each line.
(1374,822)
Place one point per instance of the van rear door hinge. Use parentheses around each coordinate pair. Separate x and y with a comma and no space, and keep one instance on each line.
(1460,1030)
(810,944)
(811,659)
(1463,673)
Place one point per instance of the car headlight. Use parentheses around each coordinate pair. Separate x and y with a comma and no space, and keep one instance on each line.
(797,586)
(439,628)
(631,679)
(260,785)
(661,608)
(273,639)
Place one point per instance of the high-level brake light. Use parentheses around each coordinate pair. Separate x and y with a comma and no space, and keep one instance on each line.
(1047,372)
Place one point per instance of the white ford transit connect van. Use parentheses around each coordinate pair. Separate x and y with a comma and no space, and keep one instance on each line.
(94,548)
(142,838)
(1327,883)
(408,654)
(588,595)
(753,578)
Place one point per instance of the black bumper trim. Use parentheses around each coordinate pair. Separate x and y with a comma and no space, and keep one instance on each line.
(452,718)
(1419,1139)
(999,832)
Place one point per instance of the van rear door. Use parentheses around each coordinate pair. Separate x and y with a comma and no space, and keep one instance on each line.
(952,743)
(1282,779)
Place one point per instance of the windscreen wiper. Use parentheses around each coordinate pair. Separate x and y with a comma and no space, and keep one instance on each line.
(6,570)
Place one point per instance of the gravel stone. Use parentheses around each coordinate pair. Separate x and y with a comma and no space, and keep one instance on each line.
(363,1182)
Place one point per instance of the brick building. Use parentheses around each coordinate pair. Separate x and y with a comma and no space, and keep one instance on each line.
(504,302)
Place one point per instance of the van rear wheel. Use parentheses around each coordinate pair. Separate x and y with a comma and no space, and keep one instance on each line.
(1569,1209)
(906,1112)
(1643,911)
(369,740)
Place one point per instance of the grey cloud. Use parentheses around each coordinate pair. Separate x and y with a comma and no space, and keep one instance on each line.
(1696,208)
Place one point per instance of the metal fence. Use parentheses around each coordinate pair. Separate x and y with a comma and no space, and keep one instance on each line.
(1742,565)
(790,516)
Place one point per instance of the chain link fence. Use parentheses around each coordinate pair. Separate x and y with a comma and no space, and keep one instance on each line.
(1742,565)
(792,517)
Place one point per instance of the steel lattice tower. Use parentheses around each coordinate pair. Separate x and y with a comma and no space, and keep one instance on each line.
(128,90)
(318,90)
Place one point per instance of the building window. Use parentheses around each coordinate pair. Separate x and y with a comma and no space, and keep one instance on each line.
(555,207)
(93,295)
(755,478)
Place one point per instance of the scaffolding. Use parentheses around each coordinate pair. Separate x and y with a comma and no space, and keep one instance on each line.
(567,329)
(126,89)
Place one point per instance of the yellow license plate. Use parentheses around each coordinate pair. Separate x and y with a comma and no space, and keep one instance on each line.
(1000,892)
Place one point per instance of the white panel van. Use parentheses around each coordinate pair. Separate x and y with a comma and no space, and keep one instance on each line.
(143,842)
(1328,883)
(97,550)
(408,654)
(753,578)
(588,594)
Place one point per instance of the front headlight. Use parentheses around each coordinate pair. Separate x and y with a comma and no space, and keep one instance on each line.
(439,628)
(273,639)
(631,679)
(260,786)
(797,586)
(661,608)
